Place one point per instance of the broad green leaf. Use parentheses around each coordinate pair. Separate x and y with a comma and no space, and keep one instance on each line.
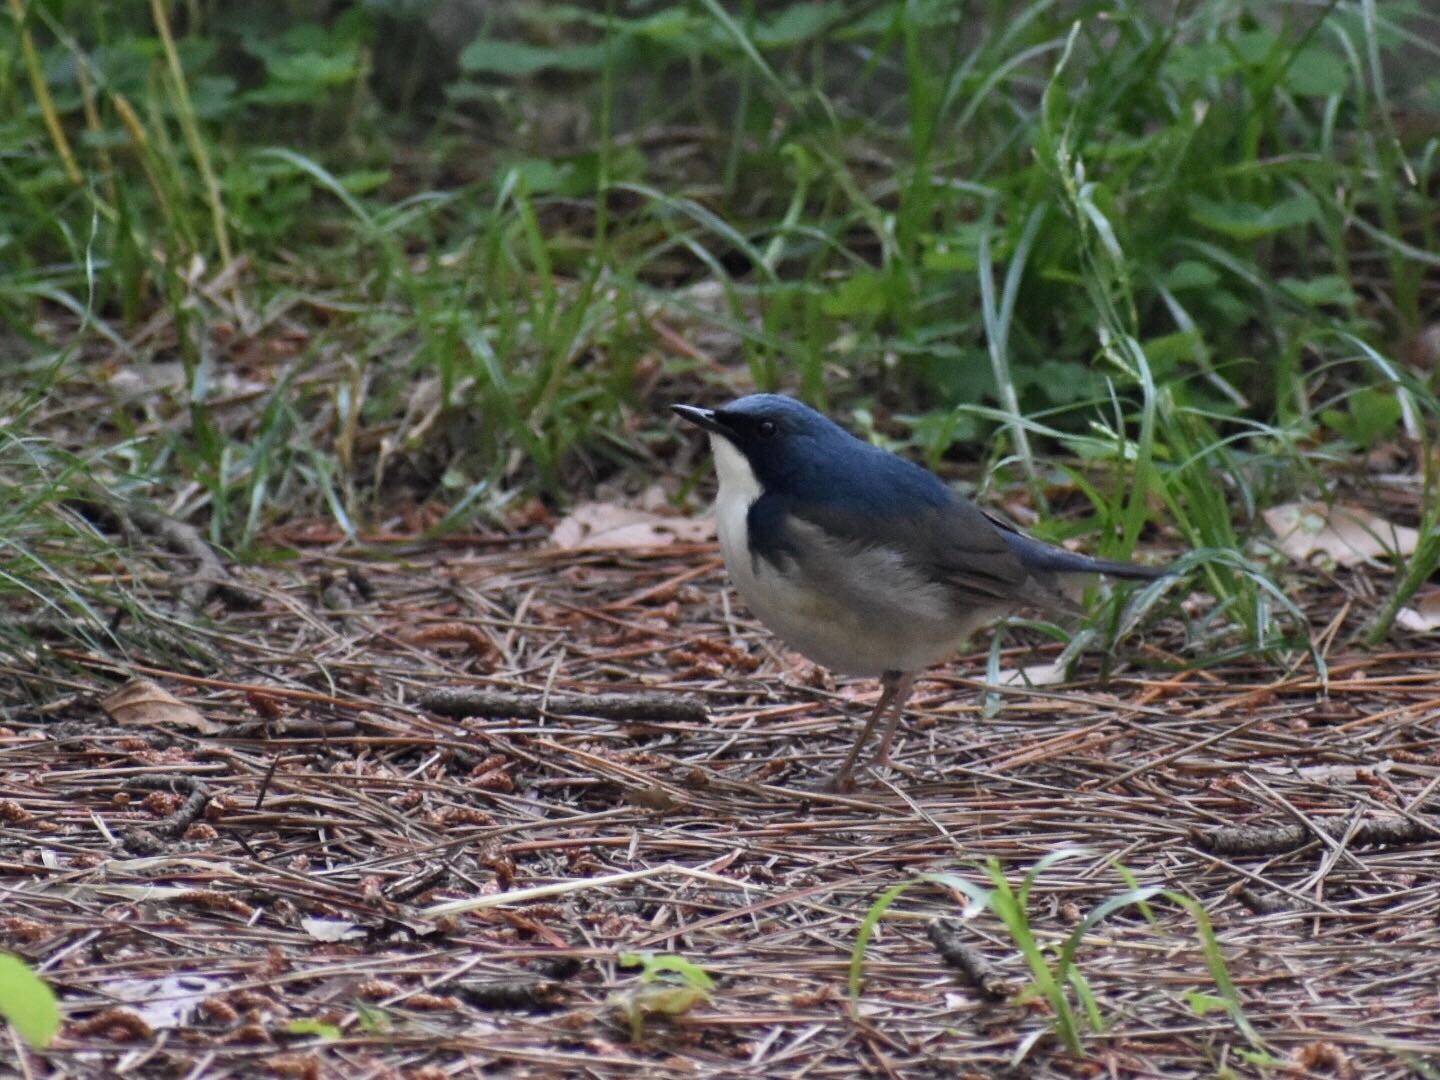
(1254,46)
(363,181)
(512,58)
(958,249)
(1064,382)
(1248,221)
(315,68)
(798,23)
(1196,63)
(212,96)
(943,257)
(860,294)
(516,59)
(1190,274)
(1317,72)
(1318,291)
(669,26)
(1370,414)
(27,1002)
(1168,350)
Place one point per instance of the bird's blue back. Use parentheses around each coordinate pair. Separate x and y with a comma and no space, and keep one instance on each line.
(818,471)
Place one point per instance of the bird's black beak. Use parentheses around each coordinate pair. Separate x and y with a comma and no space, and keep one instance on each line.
(704,418)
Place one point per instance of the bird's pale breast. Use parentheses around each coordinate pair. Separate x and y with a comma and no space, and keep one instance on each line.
(857,610)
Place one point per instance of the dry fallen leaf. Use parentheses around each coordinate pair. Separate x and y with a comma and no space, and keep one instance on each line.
(1349,535)
(1423,614)
(1035,675)
(167,1001)
(596,526)
(143,703)
(331,930)
(653,797)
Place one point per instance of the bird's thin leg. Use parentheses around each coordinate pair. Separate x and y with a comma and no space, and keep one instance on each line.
(889,687)
(904,683)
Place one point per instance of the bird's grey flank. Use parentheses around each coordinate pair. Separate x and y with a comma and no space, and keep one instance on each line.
(865,562)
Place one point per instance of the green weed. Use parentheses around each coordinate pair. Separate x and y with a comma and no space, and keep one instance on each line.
(668,985)
(1055,973)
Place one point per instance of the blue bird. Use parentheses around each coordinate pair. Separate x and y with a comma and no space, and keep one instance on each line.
(865,562)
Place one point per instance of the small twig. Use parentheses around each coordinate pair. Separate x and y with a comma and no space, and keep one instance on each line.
(148,839)
(530,995)
(1259,902)
(210,572)
(211,575)
(564,888)
(475,701)
(295,727)
(944,934)
(265,782)
(407,888)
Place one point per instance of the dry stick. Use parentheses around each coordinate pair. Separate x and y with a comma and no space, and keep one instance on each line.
(265,783)
(1065,697)
(211,572)
(615,772)
(1338,848)
(476,701)
(1425,793)
(1276,839)
(1261,903)
(407,888)
(1070,743)
(563,888)
(944,934)
(295,728)
(1154,691)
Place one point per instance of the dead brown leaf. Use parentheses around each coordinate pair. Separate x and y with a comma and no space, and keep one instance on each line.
(596,526)
(1349,535)
(142,703)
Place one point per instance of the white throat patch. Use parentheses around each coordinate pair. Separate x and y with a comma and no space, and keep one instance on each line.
(737,479)
(739,488)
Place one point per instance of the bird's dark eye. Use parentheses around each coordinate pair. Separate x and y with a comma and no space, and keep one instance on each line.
(767,428)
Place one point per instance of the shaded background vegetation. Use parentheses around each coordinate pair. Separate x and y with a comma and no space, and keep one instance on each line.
(264,261)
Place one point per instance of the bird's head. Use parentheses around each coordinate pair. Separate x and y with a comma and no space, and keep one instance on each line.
(775,437)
